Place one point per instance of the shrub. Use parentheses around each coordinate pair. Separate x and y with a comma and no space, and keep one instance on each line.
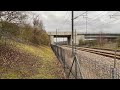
(118,42)
(81,42)
(25,33)
(11,28)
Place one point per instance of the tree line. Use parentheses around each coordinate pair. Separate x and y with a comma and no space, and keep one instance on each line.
(99,42)
(15,25)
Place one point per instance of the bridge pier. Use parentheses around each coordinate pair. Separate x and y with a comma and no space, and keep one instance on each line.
(69,40)
(52,39)
(68,35)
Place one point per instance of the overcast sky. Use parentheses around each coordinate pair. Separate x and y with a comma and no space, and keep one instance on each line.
(96,21)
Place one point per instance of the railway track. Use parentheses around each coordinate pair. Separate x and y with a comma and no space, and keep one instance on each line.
(103,52)
(106,49)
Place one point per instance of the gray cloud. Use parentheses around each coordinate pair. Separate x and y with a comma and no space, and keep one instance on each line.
(97,21)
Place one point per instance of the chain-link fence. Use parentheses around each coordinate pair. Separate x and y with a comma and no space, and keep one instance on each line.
(71,64)
(87,69)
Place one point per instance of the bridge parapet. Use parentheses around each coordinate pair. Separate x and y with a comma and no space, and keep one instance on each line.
(59,33)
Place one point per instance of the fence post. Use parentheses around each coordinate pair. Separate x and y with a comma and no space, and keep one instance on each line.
(78,66)
(75,67)
(114,68)
(56,51)
(95,64)
(60,53)
(64,58)
(114,73)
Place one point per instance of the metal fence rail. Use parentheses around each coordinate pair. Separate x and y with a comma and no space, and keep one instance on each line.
(80,67)
(72,69)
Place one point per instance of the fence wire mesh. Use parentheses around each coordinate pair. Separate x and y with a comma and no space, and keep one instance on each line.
(86,68)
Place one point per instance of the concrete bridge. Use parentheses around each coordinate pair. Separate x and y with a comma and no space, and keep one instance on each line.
(68,35)
(82,36)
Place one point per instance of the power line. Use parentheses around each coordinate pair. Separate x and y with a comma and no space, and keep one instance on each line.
(111,21)
(85,19)
(64,16)
(65,21)
(104,23)
(98,16)
(80,15)
(95,18)
(74,18)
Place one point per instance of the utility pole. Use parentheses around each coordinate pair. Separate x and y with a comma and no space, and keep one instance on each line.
(72,33)
(114,76)
(73,27)
(56,36)
(63,39)
(86,22)
(75,40)
(100,38)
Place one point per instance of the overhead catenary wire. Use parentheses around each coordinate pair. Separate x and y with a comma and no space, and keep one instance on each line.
(94,16)
(93,19)
(66,19)
(109,21)
(83,14)
(80,15)
(64,16)
(99,17)
(105,23)
(72,18)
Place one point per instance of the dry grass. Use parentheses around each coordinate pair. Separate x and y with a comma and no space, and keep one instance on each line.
(21,61)
(107,46)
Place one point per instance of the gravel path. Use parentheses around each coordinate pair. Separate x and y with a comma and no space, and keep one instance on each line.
(94,66)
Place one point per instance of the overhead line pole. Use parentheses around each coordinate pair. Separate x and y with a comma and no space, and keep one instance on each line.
(86,22)
(114,72)
(72,18)
(75,40)
(72,33)
(56,36)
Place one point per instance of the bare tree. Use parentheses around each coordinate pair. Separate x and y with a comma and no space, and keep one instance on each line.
(12,16)
(38,23)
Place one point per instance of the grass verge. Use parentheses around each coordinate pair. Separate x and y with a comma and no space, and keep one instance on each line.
(22,61)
